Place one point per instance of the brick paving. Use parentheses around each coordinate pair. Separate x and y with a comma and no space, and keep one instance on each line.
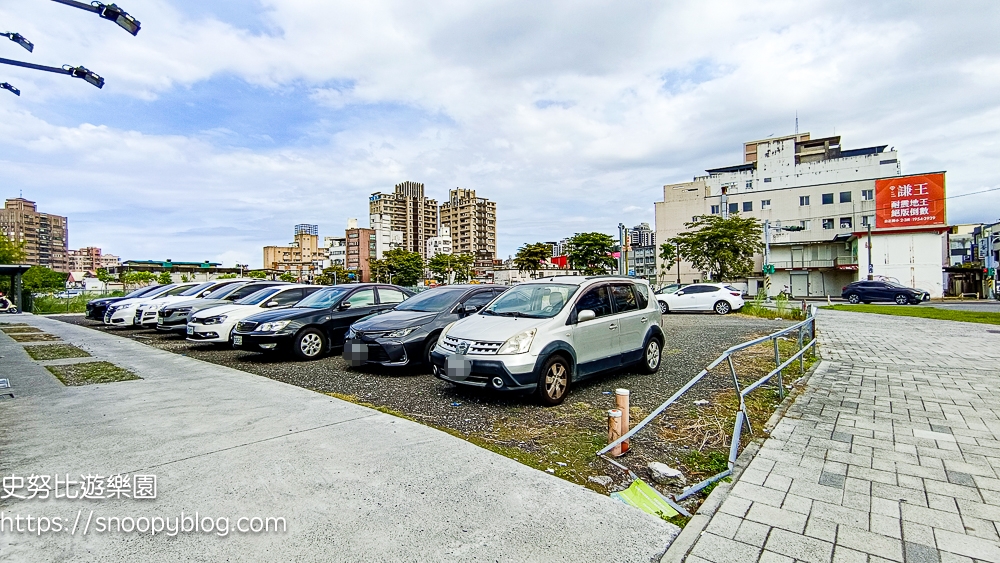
(892,454)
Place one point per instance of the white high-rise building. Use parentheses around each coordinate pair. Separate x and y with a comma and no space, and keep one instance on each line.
(441,244)
(386,239)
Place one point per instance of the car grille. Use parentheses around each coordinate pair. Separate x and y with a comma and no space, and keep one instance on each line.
(475,346)
(371,334)
(377,353)
(245,326)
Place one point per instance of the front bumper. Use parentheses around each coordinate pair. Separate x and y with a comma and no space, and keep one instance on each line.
(262,341)
(512,373)
(385,351)
(122,317)
(145,318)
(172,322)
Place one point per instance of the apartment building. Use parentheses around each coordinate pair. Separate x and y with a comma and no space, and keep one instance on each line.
(90,259)
(386,238)
(336,251)
(642,235)
(303,256)
(441,244)
(472,222)
(361,247)
(408,212)
(45,237)
(829,196)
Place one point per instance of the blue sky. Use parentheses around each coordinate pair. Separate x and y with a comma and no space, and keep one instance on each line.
(225,123)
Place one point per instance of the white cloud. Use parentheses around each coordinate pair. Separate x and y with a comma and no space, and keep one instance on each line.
(569,114)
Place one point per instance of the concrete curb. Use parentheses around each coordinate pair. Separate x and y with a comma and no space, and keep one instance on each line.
(685,541)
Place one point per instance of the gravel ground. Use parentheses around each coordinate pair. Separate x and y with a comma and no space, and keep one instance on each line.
(693,340)
(561,440)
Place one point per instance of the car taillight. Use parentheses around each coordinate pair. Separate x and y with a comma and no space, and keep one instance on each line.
(843,288)
(734,293)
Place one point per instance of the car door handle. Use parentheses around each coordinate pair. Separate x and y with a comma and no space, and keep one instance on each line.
(612,326)
(642,320)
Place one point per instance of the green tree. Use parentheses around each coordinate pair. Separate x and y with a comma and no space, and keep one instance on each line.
(668,257)
(288,277)
(335,274)
(591,252)
(378,270)
(164,278)
(104,277)
(40,278)
(402,267)
(257,274)
(135,279)
(10,252)
(221,277)
(723,247)
(529,257)
(447,268)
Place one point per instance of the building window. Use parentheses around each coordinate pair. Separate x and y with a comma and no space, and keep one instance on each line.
(767,180)
(845,197)
(827,199)
(765,204)
(749,184)
(803,200)
(734,208)
(846,223)
(827,223)
(806,225)
(715,210)
(867,195)
(747,206)
(867,220)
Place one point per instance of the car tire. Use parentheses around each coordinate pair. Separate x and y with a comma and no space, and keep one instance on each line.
(651,355)
(431,342)
(722,307)
(663,308)
(902,299)
(867,302)
(309,344)
(854,299)
(553,382)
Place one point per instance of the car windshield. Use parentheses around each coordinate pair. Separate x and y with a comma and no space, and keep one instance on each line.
(533,300)
(177,290)
(432,300)
(196,289)
(323,298)
(258,296)
(162,290)
(141,291)
(224,291)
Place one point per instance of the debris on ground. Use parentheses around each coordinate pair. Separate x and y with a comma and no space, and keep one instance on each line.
(666,475)
(602,480)
(701,403)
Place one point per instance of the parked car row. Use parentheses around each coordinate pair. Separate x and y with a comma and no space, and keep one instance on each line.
(539,336)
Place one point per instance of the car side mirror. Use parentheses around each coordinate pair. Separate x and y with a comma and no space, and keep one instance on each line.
(206,292)
(585,315)
(271,304)
(679,292)
(345,305)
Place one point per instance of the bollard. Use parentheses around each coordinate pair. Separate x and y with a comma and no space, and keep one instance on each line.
(615,430)
(621,403)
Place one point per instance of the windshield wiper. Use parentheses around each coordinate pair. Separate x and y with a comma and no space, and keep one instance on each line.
(487,312)
(514,314)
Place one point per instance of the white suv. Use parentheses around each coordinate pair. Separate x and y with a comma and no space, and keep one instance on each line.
(546,334)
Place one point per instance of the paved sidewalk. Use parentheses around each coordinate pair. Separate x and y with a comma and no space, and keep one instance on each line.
(891,454)
(352,483)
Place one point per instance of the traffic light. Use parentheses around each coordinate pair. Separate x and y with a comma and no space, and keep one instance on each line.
(992,272)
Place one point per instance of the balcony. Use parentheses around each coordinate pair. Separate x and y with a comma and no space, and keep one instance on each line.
(803,264)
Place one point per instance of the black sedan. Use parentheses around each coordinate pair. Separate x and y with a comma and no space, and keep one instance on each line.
(316,325)
(408,333)
(97,307)
(868,291)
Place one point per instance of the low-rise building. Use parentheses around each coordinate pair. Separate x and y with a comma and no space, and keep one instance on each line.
(192,271)
(336,251)
(303,257)
(91,258)
(642,262)
(361,246)
(440,244)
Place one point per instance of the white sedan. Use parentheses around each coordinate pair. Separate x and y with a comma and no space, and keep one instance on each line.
(717,297)
(123,313)
(215,324)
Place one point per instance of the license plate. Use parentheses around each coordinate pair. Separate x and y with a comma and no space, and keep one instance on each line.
(190,329)
(237,340)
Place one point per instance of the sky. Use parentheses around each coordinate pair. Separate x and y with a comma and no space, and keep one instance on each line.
(226,122)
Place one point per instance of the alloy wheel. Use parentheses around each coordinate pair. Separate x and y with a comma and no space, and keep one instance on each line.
(663,308)
(311,344)
(653,355)
(853,299)
(722,307)
(901,299)
(556,380)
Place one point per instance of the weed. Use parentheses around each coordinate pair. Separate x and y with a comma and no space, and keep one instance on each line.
(55,352)
(91,373)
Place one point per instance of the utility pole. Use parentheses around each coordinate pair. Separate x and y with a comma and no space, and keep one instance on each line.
(767,258)
(621,249)
(871,268)
(678,259)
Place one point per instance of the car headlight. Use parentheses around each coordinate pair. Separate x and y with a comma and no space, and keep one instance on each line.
(446,329)
(272,326)
(218,319)
(350,334)
(519,343)
(401,332)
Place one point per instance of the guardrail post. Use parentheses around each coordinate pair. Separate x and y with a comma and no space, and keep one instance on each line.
(621,403)
(777,362)
(735,445)
(802,359)
(615,430)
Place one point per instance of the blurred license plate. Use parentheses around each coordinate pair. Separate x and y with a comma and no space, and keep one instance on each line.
(237,340)
(190,329)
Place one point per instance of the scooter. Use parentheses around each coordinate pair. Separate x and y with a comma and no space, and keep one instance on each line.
(6,306)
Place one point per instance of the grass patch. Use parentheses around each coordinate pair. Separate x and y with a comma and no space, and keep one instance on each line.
(781,308)
(91,373)
(33,337)
(50,305)
(55,352)
(20,329)
(923,312)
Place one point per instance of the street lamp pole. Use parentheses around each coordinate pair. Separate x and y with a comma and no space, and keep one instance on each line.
(871,268)
(75,71)
(678,259)
(109,12)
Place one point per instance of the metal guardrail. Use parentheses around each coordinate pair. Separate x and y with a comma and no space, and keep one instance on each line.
(741,415)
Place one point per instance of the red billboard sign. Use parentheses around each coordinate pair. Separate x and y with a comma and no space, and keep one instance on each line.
(909,201)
